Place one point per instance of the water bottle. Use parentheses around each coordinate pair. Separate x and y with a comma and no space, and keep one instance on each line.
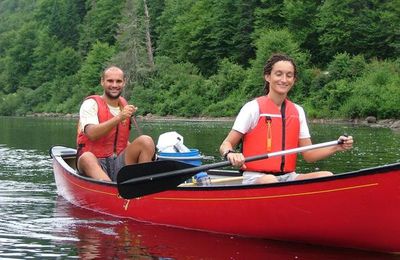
(202,179)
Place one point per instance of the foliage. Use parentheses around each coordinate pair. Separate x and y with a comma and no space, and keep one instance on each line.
(331,88)
(89,73)
(209,55)
(376,93)
(268,15)
(62,19)
(100,23)
(156,9)
(132,53)
(178,90)
(204,34)
(17,61)
(346,67)
(10,103)
(270,42)
(367,27)
(224,92)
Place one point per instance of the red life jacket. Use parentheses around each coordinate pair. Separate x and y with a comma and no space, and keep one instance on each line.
(114,142)
(276,130)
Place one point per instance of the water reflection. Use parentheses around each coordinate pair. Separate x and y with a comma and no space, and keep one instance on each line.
(100,236)
(27,197)
(36,224)
(25,227)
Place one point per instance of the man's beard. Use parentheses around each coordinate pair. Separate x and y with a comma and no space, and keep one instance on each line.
(110,96)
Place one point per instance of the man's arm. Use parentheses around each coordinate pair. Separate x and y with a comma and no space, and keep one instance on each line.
(92,129)
(96,131)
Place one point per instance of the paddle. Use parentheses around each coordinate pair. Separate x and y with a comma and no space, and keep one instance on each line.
(137,180)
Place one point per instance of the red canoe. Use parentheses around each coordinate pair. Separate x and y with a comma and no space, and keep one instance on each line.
(356,209)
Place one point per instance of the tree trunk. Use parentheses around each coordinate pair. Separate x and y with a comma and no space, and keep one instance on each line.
(148,38)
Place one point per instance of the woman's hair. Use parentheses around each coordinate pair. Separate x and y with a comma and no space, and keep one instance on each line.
(270,63)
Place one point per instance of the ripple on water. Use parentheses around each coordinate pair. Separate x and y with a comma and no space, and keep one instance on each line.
(35,224)
(25,165)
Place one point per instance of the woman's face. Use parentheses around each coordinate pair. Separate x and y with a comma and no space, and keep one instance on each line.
(282,77)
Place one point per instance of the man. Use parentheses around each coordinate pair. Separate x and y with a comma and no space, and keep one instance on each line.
(103,131)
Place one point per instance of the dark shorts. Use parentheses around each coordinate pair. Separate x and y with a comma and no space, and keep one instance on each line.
(111,165)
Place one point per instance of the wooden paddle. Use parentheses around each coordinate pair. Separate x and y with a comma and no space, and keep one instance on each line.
(137,180)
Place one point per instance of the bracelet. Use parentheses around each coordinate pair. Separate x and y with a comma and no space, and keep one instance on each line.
(226,154)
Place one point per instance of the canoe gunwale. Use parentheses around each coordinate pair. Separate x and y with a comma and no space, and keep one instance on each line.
(61,153)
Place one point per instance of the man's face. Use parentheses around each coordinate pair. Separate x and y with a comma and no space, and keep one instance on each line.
(113,83)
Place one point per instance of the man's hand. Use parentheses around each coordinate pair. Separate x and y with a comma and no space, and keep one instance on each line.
(127,112)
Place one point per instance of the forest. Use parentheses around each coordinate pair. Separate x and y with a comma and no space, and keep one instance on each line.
(195,58)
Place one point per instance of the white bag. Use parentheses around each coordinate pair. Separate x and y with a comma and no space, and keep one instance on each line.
(171,142)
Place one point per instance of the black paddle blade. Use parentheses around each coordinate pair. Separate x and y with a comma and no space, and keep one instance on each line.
(141,179)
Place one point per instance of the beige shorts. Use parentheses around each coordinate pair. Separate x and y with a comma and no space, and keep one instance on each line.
(251,177)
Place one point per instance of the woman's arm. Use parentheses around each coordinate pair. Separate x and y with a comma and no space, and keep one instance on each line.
(322,153)
(228,145)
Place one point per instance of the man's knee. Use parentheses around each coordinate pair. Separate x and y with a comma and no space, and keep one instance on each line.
(146,140)
(85,159)
(86,156)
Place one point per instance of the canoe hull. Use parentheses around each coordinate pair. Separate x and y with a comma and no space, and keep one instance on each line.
(356,210)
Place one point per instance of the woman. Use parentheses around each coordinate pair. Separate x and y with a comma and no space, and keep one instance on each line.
(272,123)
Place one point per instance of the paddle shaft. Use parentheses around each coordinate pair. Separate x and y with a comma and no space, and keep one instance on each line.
(133,118)
(216,180)
(227,163)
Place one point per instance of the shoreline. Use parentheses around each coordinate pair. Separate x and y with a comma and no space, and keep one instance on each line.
(393,124)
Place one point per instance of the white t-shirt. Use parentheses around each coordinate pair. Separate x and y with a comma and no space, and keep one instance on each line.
(88,113)
(249,115)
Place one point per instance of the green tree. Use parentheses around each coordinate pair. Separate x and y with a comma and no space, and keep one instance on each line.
(60,91)
(268,15)
(208,31)
(156,8)
(10,103)
(168,41)
(176,89)
(376,92)
(346,67)
(100,23)
(275,41)
(300,19)
(224,91)
(132,55)
(89,74)
(43,61)
(61,18)
(14,14)
(16,62)
(368,27)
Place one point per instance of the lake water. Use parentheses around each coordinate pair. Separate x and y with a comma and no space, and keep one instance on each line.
(35,223)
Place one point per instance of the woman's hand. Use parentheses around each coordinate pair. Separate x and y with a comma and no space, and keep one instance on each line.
(236,159)
(347,143)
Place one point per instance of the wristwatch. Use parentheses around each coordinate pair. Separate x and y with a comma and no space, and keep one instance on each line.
(225,155)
